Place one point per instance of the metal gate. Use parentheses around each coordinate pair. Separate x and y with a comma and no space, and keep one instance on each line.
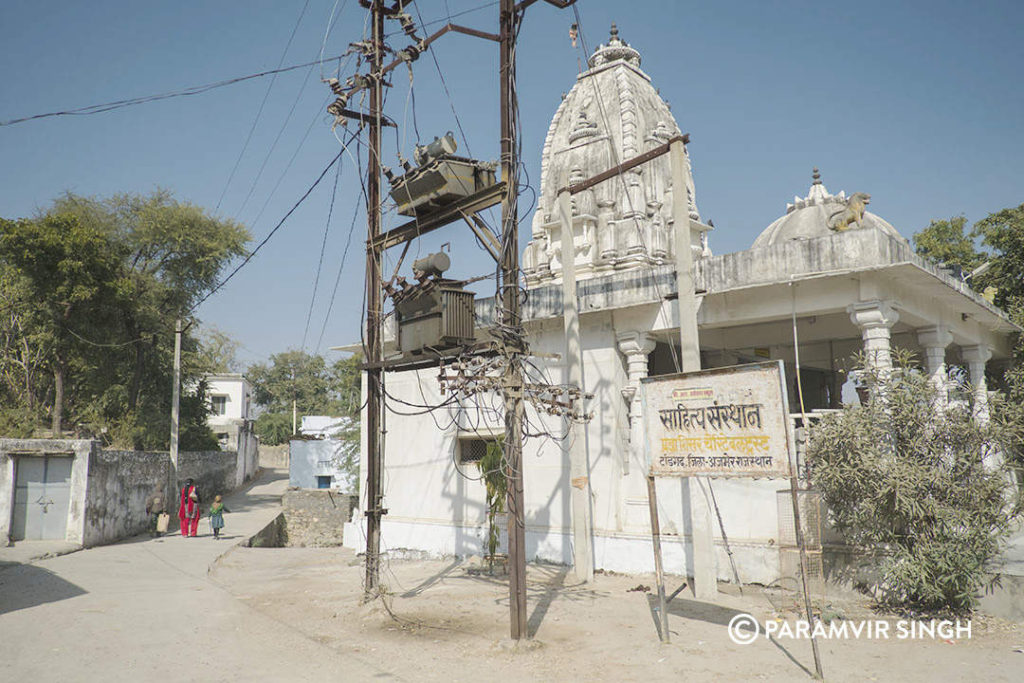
(42,491)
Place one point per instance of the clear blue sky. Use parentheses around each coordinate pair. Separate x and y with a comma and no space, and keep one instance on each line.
(918,103)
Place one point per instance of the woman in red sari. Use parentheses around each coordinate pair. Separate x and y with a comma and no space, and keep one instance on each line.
(188,508)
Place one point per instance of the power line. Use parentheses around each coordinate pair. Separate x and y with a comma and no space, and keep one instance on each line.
(271,234)
(185,92)
(323,248)
(344,257)
(259,112)
(273,145)
(341,66)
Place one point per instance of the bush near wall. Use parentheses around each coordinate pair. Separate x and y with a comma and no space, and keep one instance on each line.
(905,476)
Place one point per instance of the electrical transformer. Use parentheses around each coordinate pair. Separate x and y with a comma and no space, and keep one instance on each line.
(439,179)
(434,313)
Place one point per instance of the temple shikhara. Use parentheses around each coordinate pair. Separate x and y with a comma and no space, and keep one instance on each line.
(827,275)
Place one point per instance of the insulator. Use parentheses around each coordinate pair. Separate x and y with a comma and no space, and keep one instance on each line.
(409,54)
(335,86)
(408,25)
(336,108)
(363,46)
(358,81)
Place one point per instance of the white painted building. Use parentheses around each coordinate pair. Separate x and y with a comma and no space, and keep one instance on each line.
(231,404)
(861,288)
(319,460)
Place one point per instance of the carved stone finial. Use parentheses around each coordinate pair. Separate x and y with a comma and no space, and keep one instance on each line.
(816,176)
(616,49)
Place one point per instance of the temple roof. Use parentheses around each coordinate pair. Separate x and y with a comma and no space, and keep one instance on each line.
(811,216)
(612,113)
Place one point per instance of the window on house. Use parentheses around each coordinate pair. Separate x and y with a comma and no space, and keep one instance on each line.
(473,450)
(219,405)
(323,481)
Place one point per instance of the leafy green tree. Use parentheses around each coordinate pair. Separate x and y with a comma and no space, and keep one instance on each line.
(22,353)
(274,428)
(496,484)
(908,480)
(96,286)
(950,243)
(292,376)
(997,239)
(1003,232)
(172,255)
(70,270)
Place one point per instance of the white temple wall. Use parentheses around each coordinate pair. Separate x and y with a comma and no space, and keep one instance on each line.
(434,509)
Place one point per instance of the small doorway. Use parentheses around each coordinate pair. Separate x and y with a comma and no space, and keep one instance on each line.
(42,493)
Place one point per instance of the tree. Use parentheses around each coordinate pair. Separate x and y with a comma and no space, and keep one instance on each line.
(1003,231)
(496,485)
(219,350)
(292,376)
(69,271)
(316,388)
(96,285)
(906,479)
(948,242)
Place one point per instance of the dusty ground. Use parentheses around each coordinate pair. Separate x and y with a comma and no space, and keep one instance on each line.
(442,622)
(201,610)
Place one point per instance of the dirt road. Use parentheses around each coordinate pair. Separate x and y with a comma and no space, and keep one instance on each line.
(148,610)
(177,609)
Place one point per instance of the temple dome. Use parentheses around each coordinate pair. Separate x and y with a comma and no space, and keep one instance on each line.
(809,217)
(612,113)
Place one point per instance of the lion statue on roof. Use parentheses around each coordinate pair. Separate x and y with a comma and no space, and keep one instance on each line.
(851,214)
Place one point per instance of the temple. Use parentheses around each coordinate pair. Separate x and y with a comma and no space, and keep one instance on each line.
(827,277)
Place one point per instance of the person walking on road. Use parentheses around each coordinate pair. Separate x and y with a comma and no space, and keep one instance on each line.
(188,508)
(156,506)
(217,511)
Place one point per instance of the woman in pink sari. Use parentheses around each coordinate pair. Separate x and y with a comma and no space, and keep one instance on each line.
(188,508)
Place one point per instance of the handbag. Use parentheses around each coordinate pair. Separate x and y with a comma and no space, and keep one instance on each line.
(162,521)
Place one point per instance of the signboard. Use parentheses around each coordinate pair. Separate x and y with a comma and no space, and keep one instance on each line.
(724,422)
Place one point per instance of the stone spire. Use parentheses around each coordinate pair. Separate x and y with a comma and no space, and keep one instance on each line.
(612,113)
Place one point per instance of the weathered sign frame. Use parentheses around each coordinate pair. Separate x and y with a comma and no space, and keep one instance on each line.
(765,449)
(787,448)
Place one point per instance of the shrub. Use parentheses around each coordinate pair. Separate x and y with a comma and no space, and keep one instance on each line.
(906,477)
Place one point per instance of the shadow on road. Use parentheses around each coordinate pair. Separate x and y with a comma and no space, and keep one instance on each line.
(713,614)
(36,586)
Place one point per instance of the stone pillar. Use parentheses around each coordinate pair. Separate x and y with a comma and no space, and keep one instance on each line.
(875,320)
(976,356)
(636,346)
(934,341)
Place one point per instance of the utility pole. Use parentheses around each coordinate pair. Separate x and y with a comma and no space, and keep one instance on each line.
(295,429)
(175,401)
(374,352)
(579,472)
(705,580)
(509,316)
